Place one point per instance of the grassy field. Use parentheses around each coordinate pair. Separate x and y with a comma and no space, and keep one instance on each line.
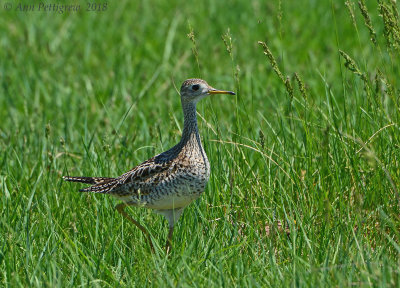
(311,139)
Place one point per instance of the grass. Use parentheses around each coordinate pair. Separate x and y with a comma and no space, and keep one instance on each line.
(316,146)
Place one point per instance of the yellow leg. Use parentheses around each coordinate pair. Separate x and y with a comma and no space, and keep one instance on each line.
(120,208)
(169,239)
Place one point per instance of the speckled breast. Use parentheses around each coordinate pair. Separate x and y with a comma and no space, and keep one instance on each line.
(177,187)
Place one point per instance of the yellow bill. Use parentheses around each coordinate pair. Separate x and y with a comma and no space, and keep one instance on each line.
(215,91)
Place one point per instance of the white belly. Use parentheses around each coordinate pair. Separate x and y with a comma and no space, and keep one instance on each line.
(172,202)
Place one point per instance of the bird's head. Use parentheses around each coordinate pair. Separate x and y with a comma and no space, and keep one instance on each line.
(193,90)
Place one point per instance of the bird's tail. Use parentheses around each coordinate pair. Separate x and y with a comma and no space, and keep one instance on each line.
(100,184)
(87,180)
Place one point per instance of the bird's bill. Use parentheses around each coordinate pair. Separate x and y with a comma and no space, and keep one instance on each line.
(215,91)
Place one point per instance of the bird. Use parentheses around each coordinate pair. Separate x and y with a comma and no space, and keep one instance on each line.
(168,182)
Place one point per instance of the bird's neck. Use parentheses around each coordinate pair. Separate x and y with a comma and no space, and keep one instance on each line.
(190,144)
(190,134)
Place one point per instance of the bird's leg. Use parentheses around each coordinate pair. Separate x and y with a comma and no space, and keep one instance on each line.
(120,208)
(169,239)
(172,216)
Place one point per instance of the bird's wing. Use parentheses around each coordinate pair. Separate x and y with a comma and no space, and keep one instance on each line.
(144,171)
(133,178)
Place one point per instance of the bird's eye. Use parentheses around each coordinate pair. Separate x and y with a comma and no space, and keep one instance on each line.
(195,87)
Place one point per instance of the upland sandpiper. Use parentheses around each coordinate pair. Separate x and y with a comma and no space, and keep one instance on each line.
(167,182)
